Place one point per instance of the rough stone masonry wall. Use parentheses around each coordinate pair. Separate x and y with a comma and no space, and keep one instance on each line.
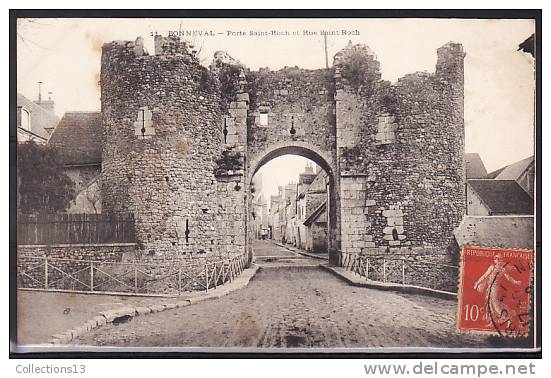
(426,268)
(230,169)
(165,173)
(86,252)
(291,97)
(400,153)
(72,259)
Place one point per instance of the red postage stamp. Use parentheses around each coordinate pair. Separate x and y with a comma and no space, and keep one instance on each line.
(494,292)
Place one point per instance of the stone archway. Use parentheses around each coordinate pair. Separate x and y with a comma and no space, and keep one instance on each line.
(307,150)
(323,160)
(394,152)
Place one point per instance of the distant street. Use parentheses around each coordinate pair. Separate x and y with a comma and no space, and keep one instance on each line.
(264,248)
(296,306)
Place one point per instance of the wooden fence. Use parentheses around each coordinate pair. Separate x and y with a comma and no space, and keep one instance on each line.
(49,229)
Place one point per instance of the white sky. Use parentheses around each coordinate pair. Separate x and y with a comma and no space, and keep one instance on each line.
(499,81)
(280,171)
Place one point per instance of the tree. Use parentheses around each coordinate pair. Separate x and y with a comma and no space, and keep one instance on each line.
(93,196)
(42,186)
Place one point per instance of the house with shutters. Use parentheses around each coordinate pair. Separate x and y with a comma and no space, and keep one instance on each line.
(304,182)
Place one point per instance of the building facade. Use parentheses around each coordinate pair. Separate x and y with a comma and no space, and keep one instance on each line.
(35,119)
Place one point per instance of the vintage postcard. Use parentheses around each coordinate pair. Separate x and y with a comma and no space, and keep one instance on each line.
(276,184)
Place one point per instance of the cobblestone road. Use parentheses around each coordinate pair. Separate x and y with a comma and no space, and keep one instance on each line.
(263,248)
(297,306)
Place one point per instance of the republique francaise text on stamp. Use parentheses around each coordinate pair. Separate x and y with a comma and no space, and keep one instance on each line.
(495,289)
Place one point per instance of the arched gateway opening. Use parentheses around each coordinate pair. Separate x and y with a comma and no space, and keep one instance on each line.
(303,212)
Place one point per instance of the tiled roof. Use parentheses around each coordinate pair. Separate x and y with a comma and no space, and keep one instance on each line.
(496,231)
(503,196)
(475,166)
(41,119)
(78,138)
(493,175)
(515,170)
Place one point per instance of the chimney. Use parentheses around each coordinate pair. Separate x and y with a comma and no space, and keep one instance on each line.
(39,92)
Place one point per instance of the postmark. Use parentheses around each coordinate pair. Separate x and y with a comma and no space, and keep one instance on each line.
(494,292)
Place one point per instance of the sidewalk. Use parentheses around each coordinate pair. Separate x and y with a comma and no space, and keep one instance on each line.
(41,314)
(357,280)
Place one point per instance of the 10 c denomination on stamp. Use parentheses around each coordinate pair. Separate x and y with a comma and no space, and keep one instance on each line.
(494,292)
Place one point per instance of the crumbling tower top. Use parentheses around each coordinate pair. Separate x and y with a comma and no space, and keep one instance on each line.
(357,65)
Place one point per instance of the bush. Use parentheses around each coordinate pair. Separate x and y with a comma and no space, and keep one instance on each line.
(42,186)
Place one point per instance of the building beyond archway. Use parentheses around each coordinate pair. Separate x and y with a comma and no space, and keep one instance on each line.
(331,201)
(181,143)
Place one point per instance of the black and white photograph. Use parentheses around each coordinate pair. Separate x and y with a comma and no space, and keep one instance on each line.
(274,184)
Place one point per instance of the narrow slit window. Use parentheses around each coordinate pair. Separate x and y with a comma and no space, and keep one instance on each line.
(263,119)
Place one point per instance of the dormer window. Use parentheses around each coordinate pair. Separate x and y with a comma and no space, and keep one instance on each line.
(25,119)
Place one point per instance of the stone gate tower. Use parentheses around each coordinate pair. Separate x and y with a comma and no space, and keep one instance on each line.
(182,142)
(162,118)
(401,153)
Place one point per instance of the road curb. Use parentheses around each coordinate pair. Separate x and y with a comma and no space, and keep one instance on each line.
(126,312)
(356,280)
